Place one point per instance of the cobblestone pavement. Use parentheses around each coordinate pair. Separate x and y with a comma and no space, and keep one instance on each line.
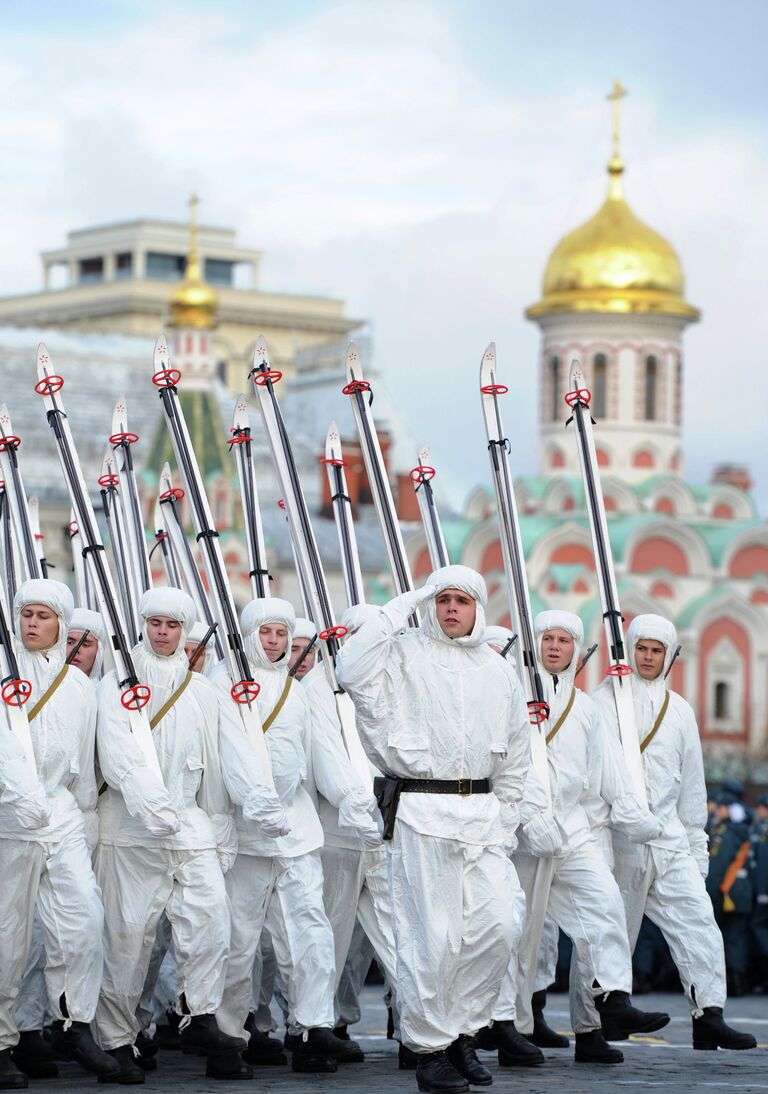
(665,1061)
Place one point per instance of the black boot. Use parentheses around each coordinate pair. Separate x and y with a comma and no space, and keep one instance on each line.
(10,1076)
(710,1032)
(390,1025)
(148,1049)
(228,1066)
(543,1035)
(318,1053)
(77,1043)
(33,1056)
(352,1054)
(463,1058)
(202,1037)
(167,1035)
(514,1049)
(406,1058)
(592,1048)
(130,1073)
(264,1051)
(436,1075)
(619,1018)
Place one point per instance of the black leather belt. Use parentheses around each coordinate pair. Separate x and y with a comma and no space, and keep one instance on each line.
(463,787)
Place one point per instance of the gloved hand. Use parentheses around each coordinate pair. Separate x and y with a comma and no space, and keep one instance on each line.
(33,811)
(541,836)
(698,843)
(91,820)
(224,830)
(403,606)
(634,821)
(265,808)
(360,821)
(145,797)
(510,842)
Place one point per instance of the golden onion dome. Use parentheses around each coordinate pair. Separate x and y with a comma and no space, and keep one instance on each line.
(614,263)
(193,303)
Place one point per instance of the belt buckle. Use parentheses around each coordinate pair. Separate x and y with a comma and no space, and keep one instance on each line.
(464,788)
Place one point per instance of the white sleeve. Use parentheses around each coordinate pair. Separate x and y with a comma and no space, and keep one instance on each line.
(124,767)
(692,799)
(19,785)
(335,777)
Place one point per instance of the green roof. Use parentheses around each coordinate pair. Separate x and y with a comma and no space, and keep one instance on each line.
(693,607)
(565,573)
(719,536)
(206,431)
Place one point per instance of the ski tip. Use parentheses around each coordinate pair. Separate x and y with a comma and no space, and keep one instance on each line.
(333,443)
(160,358)
(577,380)
(108,463)
(5,419)
(424,455)
(240,418)
(354,365)
(260,351)
(165,478)
(43,360)
(488,365)
(120,416)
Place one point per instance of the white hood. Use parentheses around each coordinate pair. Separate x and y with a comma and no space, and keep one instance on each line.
(38,666)
(269,675)
(468,581)
(162,673)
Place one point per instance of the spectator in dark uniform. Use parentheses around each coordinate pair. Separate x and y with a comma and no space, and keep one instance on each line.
(730,889)
(759,877)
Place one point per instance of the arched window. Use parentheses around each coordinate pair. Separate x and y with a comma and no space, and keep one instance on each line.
(722,700)
(651,379)
(599,384)
(554,378)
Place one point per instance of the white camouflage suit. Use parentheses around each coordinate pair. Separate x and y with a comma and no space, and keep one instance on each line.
(432,707)
(665,880)
(163,845)
(47,826)
(575,886)
(278,882)
(355,873)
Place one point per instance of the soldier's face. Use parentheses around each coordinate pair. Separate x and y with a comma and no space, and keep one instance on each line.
(297,648)
(455,612)
(39,626)
(85,657)
(163,634)
(649,658)
(556,650)
(274,639)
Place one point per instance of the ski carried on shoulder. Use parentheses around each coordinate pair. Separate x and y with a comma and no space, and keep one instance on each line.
(342,516)
(18,506)
(578,399)
(163,541)
(421,477)
(14,691)
(360,392)
(114,514)
(133,695)
(518,593)
(310,567)
(168,500)
(121,440)
(33,505)
(240,443)
(244,688)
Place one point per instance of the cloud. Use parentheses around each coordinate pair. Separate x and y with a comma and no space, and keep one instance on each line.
(364,149)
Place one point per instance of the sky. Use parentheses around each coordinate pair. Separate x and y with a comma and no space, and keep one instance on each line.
(419,160)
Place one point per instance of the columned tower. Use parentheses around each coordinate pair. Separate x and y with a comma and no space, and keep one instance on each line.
(613,296)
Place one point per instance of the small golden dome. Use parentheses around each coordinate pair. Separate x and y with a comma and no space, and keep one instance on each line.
(614,263)
(193,304)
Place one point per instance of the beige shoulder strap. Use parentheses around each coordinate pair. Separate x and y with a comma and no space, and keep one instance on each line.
(156,719)
(278,705)
(656,724)
(33,713)
(559,723)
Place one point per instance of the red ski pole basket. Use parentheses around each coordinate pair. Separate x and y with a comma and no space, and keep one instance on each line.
(136,697)
(16,692)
